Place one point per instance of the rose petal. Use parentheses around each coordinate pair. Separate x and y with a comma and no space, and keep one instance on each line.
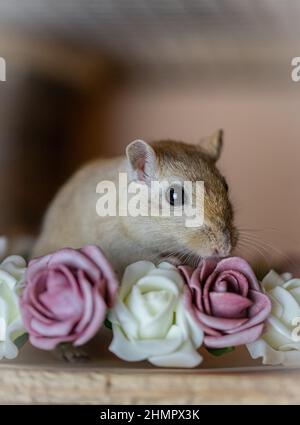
(132,274)
(188,324)
(37,266)
(65,296)
(60,298)
(3,246)
(121,314)
(87,301)
(135,350)
(229,305)
(161,346)
(296,294)
(32,291)
(171,274)
(154,282)
(258,312)
(15,266)
(241,266)
(188,299)
(207,266)
(187,272)
(291,308)
(220,323)
(236,282)
(271,280)
(194,285)
(45,343)
(186,357)
(110,284)
(270,356)
(281,328)
(292,284)
(96,322)
(78,260)
(125,349)
(8,350)
(57,329)
(158,323)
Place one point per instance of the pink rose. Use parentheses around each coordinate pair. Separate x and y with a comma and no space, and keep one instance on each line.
(227,301)
(66,296)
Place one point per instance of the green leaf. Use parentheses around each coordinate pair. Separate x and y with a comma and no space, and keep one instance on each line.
(217,352)
(107,324)
(21,340)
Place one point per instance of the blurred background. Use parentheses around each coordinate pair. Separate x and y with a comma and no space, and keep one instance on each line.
(86,77)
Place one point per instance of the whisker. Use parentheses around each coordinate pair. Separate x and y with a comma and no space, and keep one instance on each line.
(267,246)
(266,229)
(257,249)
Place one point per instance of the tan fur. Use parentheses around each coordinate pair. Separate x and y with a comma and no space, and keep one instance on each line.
(72,219)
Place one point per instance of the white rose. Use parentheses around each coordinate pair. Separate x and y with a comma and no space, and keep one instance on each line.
(149,319)
(280,344)
(12,271)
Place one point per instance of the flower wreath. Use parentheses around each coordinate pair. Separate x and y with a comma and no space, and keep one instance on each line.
(160,313)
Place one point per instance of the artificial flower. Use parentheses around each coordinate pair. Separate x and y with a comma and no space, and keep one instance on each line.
(149,320)
(280,344)
(227,301)
(66,296)
(12,271)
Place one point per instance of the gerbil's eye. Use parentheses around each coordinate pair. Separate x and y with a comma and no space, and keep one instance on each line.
(175,195)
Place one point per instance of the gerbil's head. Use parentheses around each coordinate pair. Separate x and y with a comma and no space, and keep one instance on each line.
(175,163)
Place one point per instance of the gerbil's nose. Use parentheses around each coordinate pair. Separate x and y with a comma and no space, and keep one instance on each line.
(226,249)
(222,252)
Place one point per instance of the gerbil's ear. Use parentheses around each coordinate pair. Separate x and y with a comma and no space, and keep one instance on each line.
(141,157)
(212,145)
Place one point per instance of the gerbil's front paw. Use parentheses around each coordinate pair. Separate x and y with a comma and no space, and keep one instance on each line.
(71,354)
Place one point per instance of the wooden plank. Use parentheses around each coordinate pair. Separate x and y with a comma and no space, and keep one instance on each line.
(129,386)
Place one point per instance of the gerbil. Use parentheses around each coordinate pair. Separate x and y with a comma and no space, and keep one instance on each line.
(72,219)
